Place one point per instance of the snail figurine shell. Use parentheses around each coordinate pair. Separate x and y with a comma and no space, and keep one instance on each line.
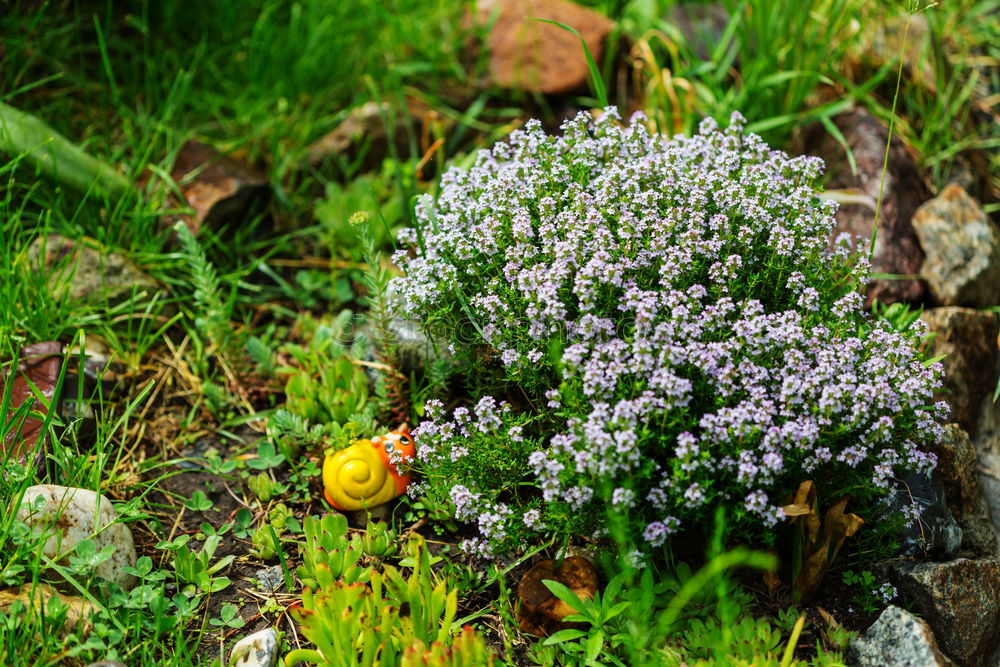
(364,475)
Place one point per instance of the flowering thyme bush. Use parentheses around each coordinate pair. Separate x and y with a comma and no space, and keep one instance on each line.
(677,331)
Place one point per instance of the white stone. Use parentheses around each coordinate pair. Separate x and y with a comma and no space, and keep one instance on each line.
(71,515)
(257,650)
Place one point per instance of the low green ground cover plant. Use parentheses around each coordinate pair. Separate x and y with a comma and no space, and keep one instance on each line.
(673,332)
(390,619)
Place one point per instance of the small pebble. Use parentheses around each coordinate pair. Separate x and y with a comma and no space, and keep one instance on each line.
(257,650)
(270,579)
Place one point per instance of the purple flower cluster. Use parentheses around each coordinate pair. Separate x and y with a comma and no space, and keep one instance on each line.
(709,344)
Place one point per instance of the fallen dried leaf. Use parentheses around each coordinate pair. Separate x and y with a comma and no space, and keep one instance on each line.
(820,541)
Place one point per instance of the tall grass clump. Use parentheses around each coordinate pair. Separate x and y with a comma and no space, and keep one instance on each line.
(658,326)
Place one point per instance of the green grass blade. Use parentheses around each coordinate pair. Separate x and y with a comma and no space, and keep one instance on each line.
(600,91)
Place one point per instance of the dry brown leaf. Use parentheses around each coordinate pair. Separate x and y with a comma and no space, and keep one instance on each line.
(772,582)
(822,542)
(828,618)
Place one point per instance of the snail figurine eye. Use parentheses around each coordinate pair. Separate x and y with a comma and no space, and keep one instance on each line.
(389,446)
(403,439)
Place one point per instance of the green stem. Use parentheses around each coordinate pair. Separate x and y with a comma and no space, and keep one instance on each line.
(24,135)
(888,140)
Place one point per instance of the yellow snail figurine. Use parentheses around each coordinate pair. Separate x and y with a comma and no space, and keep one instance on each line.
(364,475)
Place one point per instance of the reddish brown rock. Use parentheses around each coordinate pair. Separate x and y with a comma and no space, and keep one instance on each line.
(540,57)
(39,368)
(221,190)
(968,339)
(897,248)
(541,613)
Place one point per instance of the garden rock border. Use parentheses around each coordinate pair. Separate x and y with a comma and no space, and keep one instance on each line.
(958,599)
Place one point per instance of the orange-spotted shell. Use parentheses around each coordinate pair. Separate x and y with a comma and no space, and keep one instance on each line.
(363,475)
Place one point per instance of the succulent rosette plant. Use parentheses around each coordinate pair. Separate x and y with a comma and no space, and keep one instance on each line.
(658,325)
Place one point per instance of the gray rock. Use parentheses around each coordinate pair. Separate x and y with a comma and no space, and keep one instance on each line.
(70,515)
(701,25)
(270,579)
(968,340)
(962,250)
(897,639)
(987,445)
(989,483)
(86,272)
(257,650)
(959,470)
(935,533)
(959,601)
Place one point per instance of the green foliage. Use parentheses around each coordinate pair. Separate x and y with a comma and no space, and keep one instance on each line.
(378,624)
(673,615)
(228,618)
(326,385)
(869,595)
(942,119)
(195,571)
(211,317)
(466,649)
(265,79)
(767,63)
(635,622)
(262,486)
(293,433)
(328,555)
(378,542)
(748,642)
(371,194)
(261,355)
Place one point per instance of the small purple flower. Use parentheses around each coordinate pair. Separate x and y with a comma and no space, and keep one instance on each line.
(465,502)
(623,498)
(533,520)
